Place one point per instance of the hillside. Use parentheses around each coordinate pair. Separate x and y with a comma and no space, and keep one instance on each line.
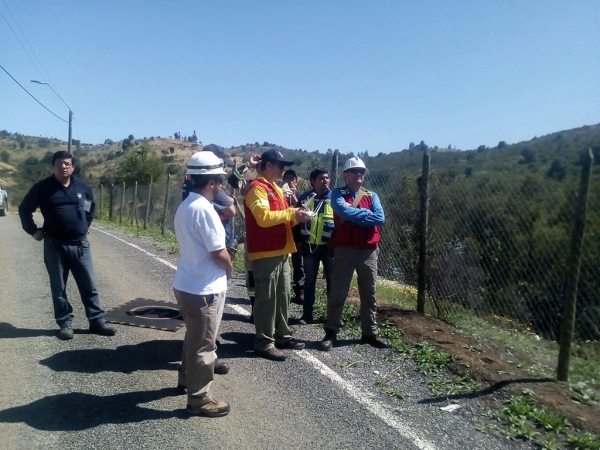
(24,159)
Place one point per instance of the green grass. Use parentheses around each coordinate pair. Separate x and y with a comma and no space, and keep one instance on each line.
(430,360)
(523,419)
(398,393)
(441,386)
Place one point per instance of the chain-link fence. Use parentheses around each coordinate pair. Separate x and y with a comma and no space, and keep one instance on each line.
(497,245)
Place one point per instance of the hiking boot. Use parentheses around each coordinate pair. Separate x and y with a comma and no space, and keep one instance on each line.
(103,329)
(375,341)
(214,408)
(65,333)
(306,319)
(221,368)
(329,340)
(292,345)
(274,354)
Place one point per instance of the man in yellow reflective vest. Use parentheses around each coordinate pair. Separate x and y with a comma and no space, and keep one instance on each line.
(316,236)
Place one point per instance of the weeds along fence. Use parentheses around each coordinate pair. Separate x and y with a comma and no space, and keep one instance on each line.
(497,244)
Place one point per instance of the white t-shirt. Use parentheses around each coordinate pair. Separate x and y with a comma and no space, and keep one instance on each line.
(199,231)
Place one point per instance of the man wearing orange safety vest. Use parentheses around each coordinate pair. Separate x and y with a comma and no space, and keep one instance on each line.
(357,215)
(269,239)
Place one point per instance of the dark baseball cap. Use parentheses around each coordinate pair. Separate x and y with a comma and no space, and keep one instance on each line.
(275,157)
(220,152)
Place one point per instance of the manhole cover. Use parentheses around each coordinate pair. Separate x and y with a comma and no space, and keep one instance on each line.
(155,312)
(147,313)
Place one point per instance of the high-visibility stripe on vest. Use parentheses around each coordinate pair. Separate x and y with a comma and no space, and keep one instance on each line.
(318,230)
(259,239)
(349,234)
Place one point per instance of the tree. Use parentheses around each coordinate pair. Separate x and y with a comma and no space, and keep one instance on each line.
(481,148)
(126,144)
(502,144)
(411,146)
(176,135)
(557,170)
(130,137)
(139,164)
(193,137)
(43,142)
(468,172)
(527,156)
(423,146)
(5,156)
(108,142)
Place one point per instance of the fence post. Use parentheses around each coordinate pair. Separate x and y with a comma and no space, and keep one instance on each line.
(148,204)
(334,169)
(133,211)
(164,217)
(423,223)
(101,200)
(570,306)
(110,201)
(122,204)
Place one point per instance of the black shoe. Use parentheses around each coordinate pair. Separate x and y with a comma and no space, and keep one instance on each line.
(65,333)
(292,345)
(221,368)
(103,329)
(181,389)
(375,341)
(329,340)
(306,319)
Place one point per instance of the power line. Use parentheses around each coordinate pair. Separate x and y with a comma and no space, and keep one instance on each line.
(31,95)
(22,46)
(27,40)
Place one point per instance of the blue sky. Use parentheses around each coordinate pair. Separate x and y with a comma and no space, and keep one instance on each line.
(353,75)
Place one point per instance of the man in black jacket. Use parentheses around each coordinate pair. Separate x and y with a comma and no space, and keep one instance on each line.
(67,205)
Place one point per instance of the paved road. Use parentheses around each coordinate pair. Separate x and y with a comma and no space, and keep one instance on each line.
(99,392)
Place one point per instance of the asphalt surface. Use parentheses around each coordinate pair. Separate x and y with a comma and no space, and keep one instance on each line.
(118,392)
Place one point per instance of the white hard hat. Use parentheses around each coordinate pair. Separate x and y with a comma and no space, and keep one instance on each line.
(354,163)
(205,163)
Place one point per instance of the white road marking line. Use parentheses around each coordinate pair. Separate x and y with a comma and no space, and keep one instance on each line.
(166,263)
(362,396)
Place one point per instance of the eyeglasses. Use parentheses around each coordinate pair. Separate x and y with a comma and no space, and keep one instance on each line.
(63,163)
(355,171)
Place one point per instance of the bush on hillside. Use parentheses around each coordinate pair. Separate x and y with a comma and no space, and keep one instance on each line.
(43,142)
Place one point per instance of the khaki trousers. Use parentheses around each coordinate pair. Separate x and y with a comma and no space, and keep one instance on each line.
(346,261)
(202,316)
(272,288)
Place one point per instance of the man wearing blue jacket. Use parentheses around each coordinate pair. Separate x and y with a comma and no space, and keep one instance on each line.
(357,216)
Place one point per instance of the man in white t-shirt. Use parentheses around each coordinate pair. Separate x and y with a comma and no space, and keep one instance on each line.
(201,282)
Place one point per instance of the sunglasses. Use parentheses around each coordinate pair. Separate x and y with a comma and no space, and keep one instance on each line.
(355,171)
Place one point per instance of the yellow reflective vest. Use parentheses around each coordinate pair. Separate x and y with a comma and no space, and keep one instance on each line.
(318,230)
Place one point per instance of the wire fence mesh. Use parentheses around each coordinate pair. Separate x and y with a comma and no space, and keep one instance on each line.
(496,246)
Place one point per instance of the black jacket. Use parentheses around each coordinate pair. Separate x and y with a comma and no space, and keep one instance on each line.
(68,211)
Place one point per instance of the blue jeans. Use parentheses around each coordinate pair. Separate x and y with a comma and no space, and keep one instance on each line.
(312,262)
(59,259)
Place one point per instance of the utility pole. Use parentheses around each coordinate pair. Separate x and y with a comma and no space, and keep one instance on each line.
(70,112)
(70,130)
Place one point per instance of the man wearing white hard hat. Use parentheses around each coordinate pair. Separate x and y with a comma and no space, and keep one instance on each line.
(357,215)
(201,282)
